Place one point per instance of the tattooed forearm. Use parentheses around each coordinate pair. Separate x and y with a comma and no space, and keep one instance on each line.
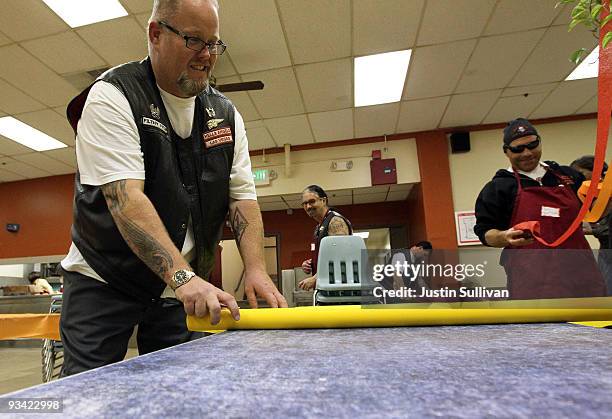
(115,194)
(142,243)
(238,223)
(337,227)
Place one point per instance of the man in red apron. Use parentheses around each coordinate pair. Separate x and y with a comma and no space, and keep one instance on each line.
(331,223)
(533,190)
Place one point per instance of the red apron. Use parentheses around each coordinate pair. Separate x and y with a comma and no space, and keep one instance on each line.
(536,271)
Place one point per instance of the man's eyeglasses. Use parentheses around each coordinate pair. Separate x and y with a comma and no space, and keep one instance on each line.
(310,202)
(196,44)
(520,148)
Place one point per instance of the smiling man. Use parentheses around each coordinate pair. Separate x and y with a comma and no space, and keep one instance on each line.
(533,190)
(331,223)
(162,158)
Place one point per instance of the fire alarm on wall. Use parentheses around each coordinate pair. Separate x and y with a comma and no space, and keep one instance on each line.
(13,228)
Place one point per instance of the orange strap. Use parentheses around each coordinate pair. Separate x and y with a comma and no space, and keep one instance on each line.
(604,110)
(29,326)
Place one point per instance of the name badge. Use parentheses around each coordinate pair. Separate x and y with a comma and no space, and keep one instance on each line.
(550,212)
(312,247)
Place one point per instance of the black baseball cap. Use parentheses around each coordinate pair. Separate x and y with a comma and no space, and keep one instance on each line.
(518,128)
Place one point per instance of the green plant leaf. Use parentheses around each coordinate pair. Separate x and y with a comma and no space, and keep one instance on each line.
(606,39)
(575,23)
(606,20)
(577,55)
(596,10)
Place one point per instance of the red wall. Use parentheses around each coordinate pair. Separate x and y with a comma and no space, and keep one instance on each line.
(43,208)
(296,230)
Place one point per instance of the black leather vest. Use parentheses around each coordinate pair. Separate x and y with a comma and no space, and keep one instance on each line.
(322,230)
(183,177)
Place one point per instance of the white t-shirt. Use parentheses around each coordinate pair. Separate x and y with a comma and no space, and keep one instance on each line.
(108,149)
(535,174)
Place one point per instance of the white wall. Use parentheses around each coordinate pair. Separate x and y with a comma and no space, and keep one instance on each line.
(313,166)
(562,142)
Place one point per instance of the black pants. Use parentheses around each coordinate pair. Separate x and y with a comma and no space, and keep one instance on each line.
(97,322)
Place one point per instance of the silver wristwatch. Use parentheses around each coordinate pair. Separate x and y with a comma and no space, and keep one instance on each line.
(181,277)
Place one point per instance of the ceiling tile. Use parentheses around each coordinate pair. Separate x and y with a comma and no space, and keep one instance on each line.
(292,130)
(467,20)
(326,86)
(4,40)
(332,125)
(396,23)
(50,123)
(6,176)
(589,107)
(66,155)
(143,20)
(280,97)
(51,165)
(369,198)
(549,61)
(565,15)
(31,76)
(371,121)
(378,189)
(223,66)
(11,148)
(138,6)
(340,200)
(259,138)
(421,115)
(469,109)
(567,98)
(243,103)
(64,53)
(30,172)
(496,60)
(241,100)
(529,90)
(104,37)
(26,19)
(509,108)
(397,196)
(13,100)
(257,22)
(504,20)
(317,30)
(435,70)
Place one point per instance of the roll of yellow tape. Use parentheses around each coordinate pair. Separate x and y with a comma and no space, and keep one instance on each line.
(321,317)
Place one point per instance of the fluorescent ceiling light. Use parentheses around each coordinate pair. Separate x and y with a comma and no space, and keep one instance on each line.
(26,135)
(588,68)
(83,12)
(380,78)
(363,234)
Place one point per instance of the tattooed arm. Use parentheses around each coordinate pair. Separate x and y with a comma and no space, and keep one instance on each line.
(144,232)
(338,227)
(246,223)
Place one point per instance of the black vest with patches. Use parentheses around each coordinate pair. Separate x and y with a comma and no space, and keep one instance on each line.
(183,177)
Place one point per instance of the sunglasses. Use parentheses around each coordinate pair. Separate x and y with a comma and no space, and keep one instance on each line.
(520,148)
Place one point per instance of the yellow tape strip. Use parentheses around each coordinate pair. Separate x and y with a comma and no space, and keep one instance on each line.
(595,324)
(533,311)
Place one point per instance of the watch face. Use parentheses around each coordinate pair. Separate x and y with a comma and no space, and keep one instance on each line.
(181,276)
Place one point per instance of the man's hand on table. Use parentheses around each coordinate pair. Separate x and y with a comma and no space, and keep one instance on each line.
(259,284)
(308,283)
(200,298)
